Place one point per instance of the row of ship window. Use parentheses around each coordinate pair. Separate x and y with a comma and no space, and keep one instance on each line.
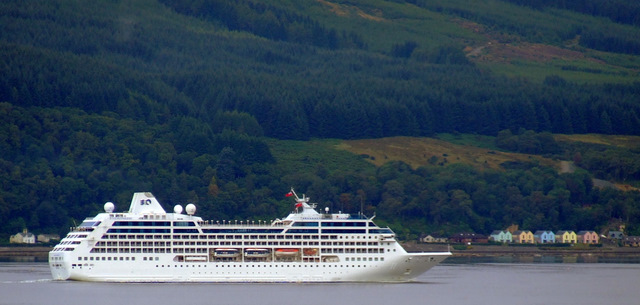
(127,258)
(108,258)
(62,249)
(191,224)
(205,250)
(210,231)
(72,236)
(239,236)
(216,243)
(274,266)
(156,258)
(69,242)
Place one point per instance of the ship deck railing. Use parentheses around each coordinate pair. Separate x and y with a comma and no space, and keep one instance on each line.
(240,223)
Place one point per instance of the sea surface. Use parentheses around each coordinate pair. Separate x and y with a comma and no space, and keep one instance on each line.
(454,282)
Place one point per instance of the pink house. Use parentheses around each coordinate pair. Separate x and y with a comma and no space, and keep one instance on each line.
(588,237)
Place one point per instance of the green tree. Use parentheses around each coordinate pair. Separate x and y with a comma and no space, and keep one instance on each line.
(226,168)
(606,126)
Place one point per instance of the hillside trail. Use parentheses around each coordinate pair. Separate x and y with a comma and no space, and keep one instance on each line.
(567,167)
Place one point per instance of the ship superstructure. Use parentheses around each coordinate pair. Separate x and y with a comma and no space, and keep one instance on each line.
(146,244)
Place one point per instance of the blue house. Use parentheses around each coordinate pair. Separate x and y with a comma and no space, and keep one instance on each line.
(544,237)
(616,235)
(501,236)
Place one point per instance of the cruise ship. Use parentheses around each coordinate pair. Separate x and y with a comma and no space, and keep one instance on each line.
(147,244)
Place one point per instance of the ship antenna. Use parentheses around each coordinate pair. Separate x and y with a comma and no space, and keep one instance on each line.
(294,194)
(298,200)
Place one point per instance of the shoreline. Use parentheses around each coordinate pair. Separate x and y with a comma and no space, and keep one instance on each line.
(25,251)
(478,250)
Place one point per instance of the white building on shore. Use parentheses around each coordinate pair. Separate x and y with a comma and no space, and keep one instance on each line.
(25,237)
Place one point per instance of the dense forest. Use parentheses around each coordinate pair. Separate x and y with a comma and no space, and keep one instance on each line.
(627,12)
(207,101)
(604,36)
(62,164)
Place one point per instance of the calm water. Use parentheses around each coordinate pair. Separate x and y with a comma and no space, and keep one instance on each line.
(449,283)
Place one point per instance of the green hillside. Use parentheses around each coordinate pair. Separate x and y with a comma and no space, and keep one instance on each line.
(517,40)
(229,103)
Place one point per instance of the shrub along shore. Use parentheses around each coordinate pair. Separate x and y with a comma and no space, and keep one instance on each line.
(24,251)
(522,250)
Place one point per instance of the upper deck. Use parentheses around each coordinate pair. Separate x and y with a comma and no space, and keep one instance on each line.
(146,215)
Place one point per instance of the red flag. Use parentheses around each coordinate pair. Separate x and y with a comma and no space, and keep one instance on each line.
(299,204)
(289,194)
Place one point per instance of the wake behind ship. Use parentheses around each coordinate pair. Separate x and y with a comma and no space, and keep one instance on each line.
(146,244)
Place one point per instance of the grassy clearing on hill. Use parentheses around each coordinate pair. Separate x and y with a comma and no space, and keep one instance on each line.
(309,156)
(435,152)
(465,148)
(632,142)
(569,70)
(363,155)
(383,24)
(475,150)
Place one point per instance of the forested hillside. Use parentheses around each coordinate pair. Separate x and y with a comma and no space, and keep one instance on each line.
(198,101)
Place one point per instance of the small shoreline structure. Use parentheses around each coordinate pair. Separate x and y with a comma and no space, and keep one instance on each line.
(540,253)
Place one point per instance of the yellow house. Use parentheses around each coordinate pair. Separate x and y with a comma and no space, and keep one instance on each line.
(566,237)
(523,237)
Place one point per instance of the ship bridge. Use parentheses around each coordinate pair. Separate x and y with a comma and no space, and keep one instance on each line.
(307,211)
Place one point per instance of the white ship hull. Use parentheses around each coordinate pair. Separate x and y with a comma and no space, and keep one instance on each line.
(153,246)
(401,269)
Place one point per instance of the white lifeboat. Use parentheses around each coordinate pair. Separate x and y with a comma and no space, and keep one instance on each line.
(226,252)
(287,252)
(257,253)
